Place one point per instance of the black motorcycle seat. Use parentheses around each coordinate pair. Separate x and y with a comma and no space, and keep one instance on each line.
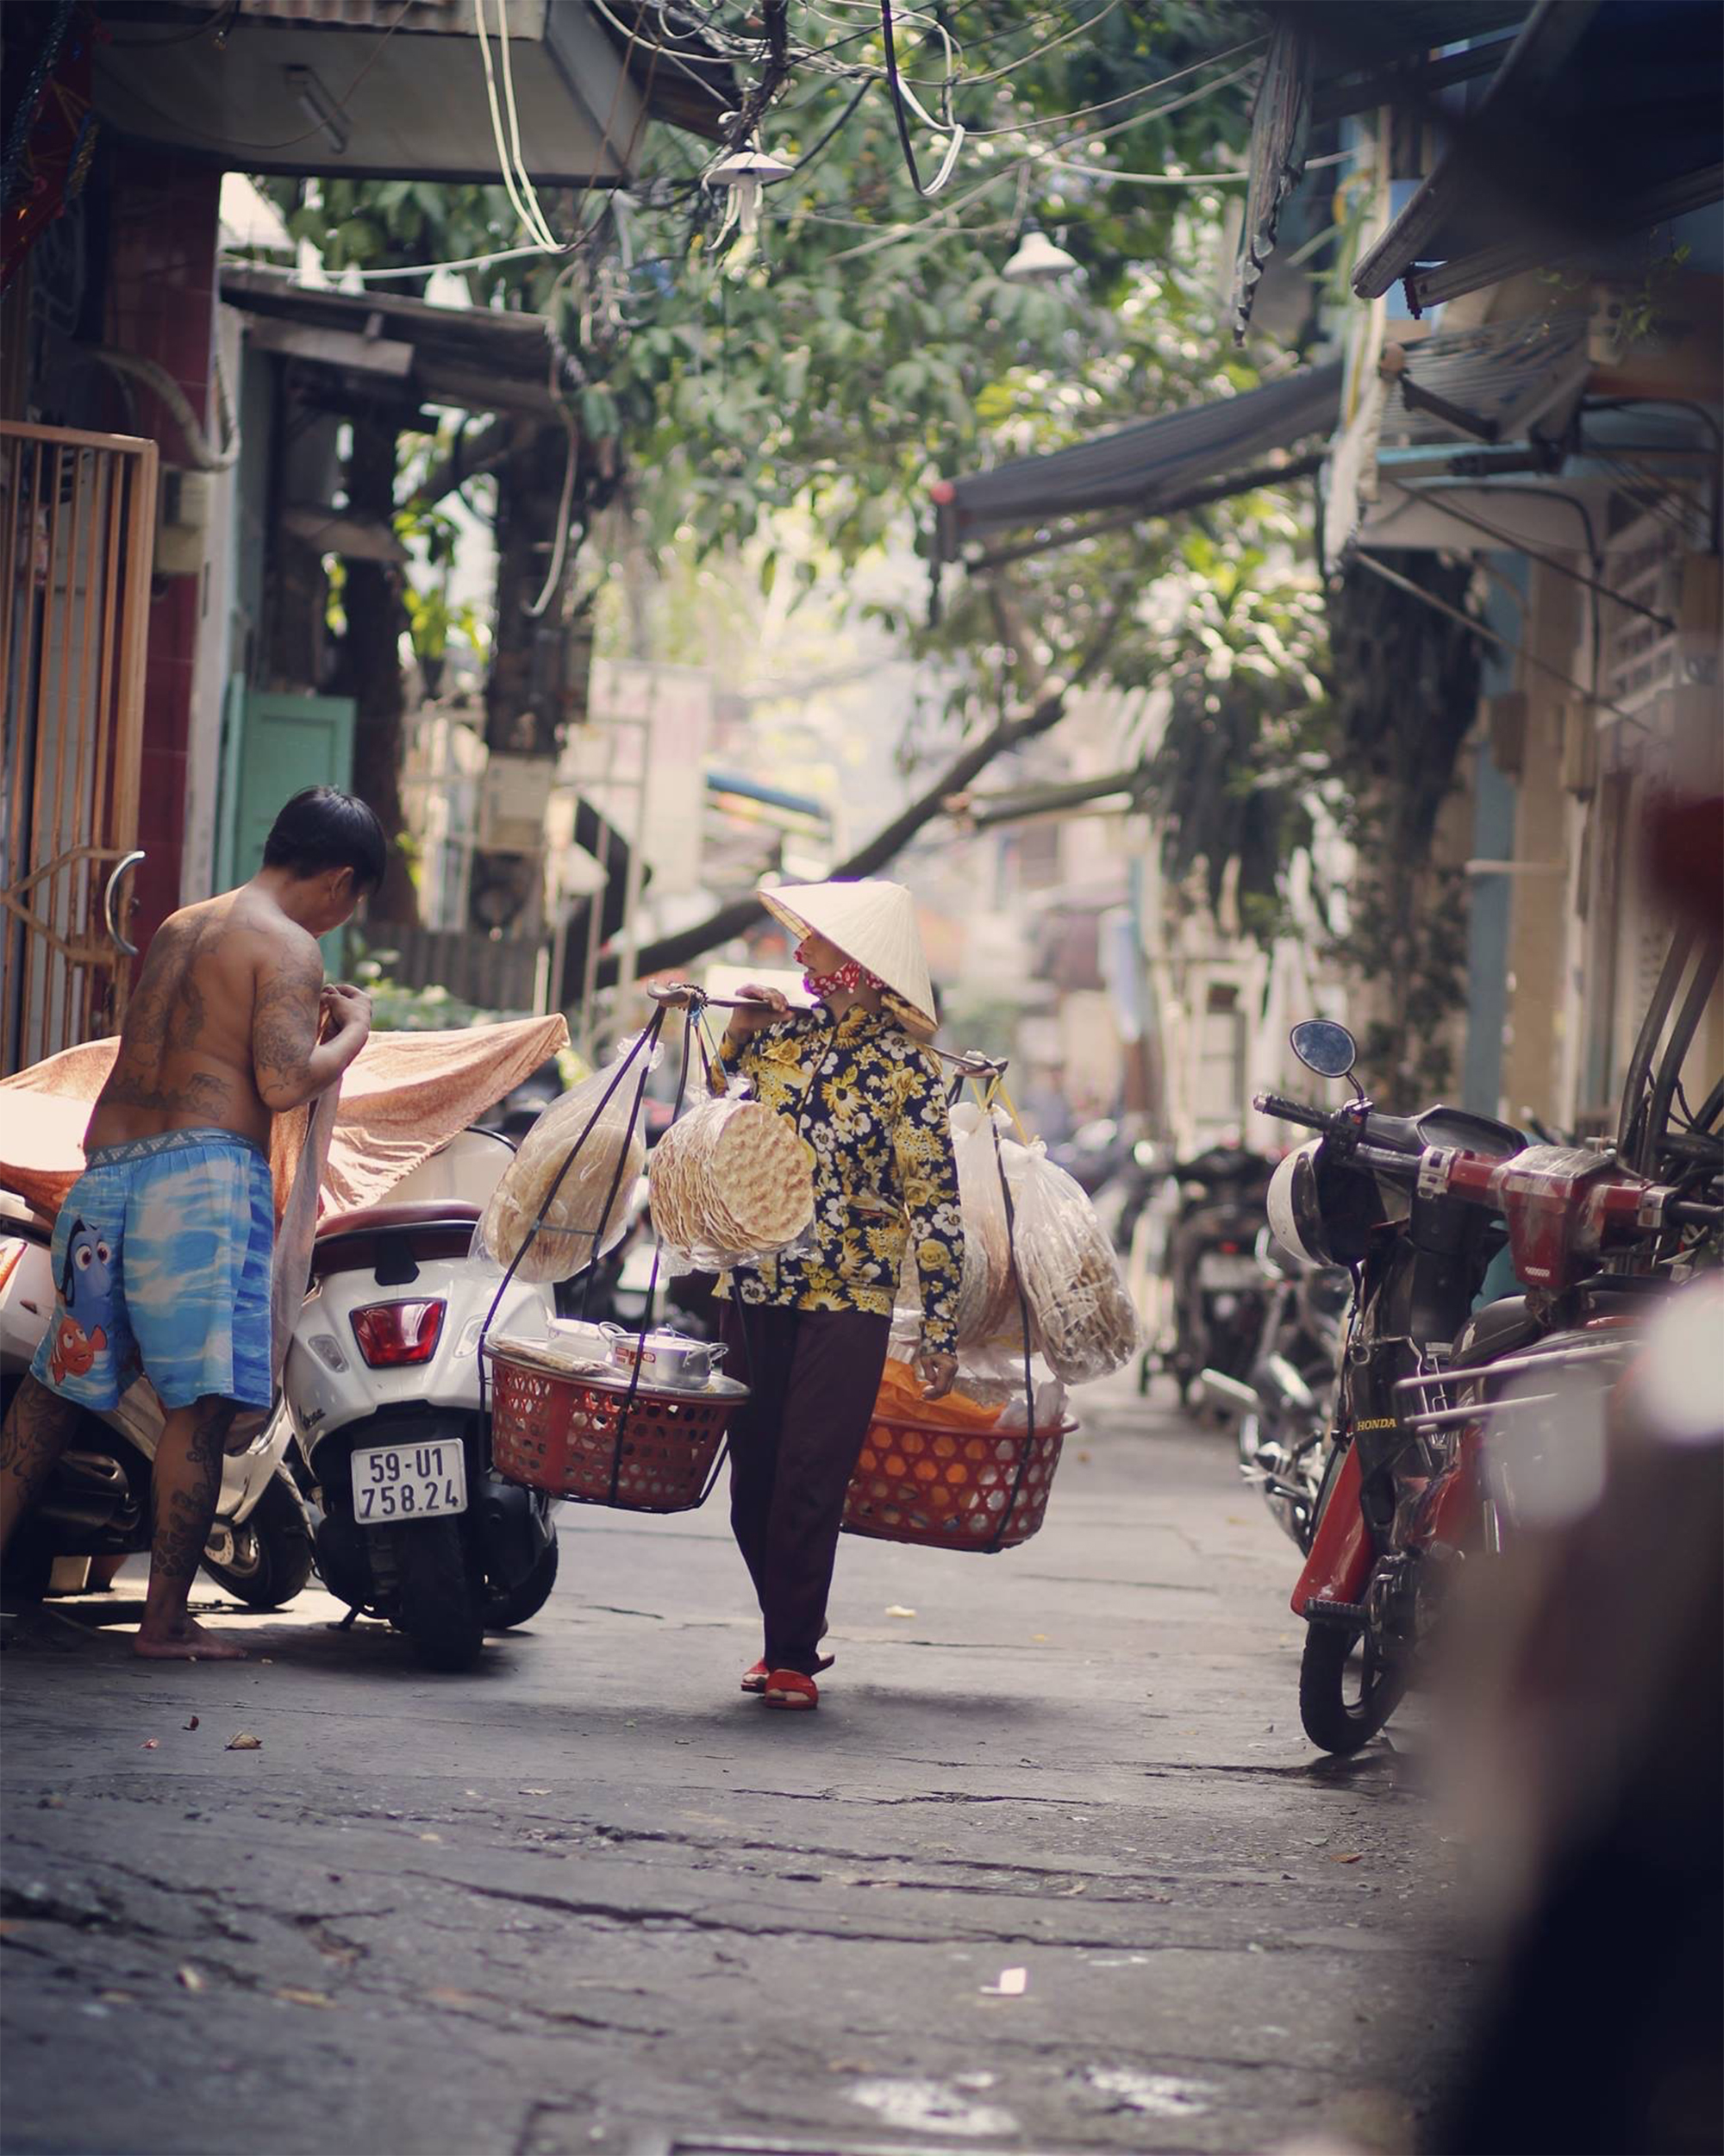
(1500,1328)
(392,1238)
(424,1212)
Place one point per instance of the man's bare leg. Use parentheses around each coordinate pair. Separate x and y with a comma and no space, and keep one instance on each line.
(187,1482)
(37,1426)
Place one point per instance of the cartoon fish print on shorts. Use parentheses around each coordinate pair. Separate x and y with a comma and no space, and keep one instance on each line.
(86,1290)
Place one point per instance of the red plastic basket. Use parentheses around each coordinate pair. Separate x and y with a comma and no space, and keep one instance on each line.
(952,1489)
(586,1438)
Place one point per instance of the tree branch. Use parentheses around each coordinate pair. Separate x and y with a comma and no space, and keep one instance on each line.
(471,455)
(741,914)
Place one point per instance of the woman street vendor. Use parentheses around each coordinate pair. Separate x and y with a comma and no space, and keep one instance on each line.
(808,1329)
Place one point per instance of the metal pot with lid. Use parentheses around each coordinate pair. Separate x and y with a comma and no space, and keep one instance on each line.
(665,1357)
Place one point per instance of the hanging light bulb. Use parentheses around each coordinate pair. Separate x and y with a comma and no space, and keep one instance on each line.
(1039,261)
(744,173)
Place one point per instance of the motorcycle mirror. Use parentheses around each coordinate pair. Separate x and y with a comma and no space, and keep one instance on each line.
(1324,1047)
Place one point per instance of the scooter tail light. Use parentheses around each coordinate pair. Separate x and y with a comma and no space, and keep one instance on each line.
(396,1335)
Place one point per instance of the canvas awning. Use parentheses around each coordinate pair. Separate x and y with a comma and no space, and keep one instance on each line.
(1602,121)
(1151,467)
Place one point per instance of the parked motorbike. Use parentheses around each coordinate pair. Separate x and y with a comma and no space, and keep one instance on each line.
(1217,1289)
(98,1502)
(382,1389)
(1284,1409)
(1419,1206)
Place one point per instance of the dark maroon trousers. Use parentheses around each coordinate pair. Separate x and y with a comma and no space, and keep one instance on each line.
(813,1376)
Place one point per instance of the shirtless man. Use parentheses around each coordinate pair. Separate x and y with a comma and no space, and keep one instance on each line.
(162,1250)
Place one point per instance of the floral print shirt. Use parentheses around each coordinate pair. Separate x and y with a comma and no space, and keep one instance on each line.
(869,1103)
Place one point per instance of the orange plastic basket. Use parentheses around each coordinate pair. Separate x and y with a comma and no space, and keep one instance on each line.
(949,1489)
(586,1438)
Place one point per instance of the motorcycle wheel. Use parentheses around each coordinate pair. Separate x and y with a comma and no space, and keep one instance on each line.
(502,1611)
(442,1607)
(272,1554)
(1344,1704)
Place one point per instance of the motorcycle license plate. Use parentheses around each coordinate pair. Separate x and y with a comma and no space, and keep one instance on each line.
(410,1482)
(1222,1269)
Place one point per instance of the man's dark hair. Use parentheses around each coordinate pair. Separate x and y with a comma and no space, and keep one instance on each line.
(321,829)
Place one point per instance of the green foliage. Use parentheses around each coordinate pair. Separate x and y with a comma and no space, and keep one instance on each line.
(398,1008)
(787,404)
(431,535)
(1245,739)
(1405,689)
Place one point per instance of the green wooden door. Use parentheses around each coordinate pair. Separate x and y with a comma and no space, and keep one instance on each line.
(284,743)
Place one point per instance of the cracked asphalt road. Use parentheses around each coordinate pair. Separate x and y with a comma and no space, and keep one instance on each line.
(593,1898)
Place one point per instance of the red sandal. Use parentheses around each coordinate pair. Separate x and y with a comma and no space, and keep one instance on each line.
(755,1676)
(790,1689)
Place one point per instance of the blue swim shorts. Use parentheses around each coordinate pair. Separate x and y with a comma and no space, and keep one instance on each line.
(161,1257)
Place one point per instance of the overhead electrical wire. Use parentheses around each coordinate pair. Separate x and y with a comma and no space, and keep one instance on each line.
(1143,89)
(901,97)
(1080,29)
(942,226)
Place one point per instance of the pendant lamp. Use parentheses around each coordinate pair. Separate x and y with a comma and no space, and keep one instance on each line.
(744,173)
(1039,261)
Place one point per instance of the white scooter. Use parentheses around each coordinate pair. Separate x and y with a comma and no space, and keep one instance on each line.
(98,1503)
(383,1389)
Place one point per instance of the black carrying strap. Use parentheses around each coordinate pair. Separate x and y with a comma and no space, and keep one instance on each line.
(639,1050)
(630,1397)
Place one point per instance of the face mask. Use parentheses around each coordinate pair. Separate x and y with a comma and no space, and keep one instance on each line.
(846,980)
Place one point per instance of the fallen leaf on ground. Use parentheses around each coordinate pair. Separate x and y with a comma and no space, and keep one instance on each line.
(1013,1983)
(898,1609)
(1079,1889)
(444,1996)
(535,1792)
(192,1724)
(118,1998)
(295,1997)
(188,1978)
(1352,1857)
(245,1742)
(430,1837)
(149,1744)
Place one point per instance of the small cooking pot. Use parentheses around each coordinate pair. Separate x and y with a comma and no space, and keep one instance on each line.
(665,1358)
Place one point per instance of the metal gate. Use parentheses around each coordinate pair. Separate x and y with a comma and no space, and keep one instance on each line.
(77,532)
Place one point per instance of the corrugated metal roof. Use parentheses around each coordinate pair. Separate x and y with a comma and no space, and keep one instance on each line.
(1488,385)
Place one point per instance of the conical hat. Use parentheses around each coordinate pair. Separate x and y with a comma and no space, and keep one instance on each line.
(870,922)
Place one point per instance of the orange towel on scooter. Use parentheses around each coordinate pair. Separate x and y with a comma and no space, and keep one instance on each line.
(405,1094)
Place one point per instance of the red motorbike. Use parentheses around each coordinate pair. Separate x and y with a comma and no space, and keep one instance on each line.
(1418,1207)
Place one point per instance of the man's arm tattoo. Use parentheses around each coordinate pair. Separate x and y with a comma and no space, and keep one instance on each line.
(284,1023)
